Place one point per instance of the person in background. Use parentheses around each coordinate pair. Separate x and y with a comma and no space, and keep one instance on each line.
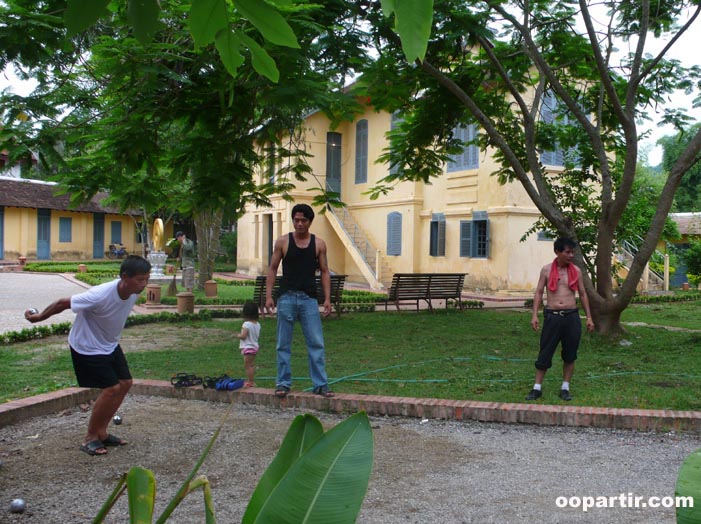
(561,323)
(187,260)
(98,360)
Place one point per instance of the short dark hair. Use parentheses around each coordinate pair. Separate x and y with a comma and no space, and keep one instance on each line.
(250,310)
(563,243)
(179,234)
(134,265)
(305,209)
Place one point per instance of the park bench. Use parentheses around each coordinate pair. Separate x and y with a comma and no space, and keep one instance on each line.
(337,285)
(414,287)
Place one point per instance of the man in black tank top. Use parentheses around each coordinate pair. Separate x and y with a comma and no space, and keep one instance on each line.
(301,254)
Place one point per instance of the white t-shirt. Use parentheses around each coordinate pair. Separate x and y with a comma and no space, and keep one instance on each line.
(100,317)
(251,341)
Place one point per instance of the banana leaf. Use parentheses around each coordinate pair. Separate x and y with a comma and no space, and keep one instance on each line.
(303,432)
(141,490)
(327,483)
(689,485)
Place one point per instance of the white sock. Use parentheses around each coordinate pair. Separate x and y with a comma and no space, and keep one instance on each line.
(565,385)
(537,387)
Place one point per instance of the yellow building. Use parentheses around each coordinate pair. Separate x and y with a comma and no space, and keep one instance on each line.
(37,224)
(465,221)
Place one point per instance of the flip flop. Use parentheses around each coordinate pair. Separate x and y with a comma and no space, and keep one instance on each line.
(282,391)
(113,440)
(93,447)
(324,391)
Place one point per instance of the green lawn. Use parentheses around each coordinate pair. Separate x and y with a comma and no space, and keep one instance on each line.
(474,354)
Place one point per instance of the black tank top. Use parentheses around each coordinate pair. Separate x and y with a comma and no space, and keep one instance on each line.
(299,268)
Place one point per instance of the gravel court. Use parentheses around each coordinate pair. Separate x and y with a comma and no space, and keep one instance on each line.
(425,471)
(20,291)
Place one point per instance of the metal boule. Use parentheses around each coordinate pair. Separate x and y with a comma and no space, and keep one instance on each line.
(18,506)
(117,420)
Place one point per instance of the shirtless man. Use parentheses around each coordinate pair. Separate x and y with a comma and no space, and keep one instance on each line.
(301,253)
(561,322)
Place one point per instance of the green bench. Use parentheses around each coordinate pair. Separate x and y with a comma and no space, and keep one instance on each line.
(415,287)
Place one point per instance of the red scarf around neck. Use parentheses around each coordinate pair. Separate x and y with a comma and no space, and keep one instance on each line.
(572,277)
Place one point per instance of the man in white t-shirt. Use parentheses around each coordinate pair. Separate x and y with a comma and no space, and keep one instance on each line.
(98,360)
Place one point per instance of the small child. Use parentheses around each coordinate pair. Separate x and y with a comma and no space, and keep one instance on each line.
(248,341)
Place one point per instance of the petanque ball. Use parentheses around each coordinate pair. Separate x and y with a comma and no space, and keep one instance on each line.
(18,506)
(33,311)
(117,420)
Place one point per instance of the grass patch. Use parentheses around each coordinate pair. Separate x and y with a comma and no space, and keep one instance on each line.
(474,354)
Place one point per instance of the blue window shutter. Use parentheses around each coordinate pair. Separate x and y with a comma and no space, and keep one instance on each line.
(65,226)
(465,238)
(395,122)
(394,234)
(116,229)
(489,242)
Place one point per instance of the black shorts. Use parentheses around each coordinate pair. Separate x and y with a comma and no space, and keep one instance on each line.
(563,327)
(100,371)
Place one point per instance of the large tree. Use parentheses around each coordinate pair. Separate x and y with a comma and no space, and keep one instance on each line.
(174,119)
(537,77)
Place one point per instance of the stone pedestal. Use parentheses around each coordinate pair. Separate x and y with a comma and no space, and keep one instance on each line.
(82,268)
(210,288)
(153,294)
(685,286)
(186,302)
(22,261)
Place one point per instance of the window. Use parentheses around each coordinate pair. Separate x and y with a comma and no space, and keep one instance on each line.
(333,162)
(474,236)
(271,160)
(469,159)
(116,229)
(545,236)
(553,112)
(361,152)
(396,121)
(437,244)
(394,234)
(65,229)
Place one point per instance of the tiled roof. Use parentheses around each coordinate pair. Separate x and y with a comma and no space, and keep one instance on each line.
(687,223)
(17,192)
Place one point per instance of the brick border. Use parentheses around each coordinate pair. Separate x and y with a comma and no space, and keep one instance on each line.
(538,414)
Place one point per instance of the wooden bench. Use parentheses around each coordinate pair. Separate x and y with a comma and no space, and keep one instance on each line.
(414,287)
(337,285)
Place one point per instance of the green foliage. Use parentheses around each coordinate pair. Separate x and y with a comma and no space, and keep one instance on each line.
(228,245)
(688,196)
(689,485)
(315,477)
(692,257)
(36,332)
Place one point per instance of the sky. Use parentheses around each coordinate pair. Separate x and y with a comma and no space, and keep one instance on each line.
(687,50)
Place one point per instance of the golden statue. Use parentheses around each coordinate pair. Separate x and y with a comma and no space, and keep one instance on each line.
(158,235)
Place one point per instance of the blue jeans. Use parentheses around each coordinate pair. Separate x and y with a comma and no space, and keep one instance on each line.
(297,305)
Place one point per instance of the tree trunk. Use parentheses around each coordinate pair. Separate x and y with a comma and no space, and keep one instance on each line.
(208,228)
(606,314)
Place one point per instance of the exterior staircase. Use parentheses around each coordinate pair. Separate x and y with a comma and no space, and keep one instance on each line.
(651,280)
(365,255)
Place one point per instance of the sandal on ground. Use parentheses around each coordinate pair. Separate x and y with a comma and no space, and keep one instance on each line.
(113,440)
(323,391)
(183,380)
(281,391)
(93,448)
